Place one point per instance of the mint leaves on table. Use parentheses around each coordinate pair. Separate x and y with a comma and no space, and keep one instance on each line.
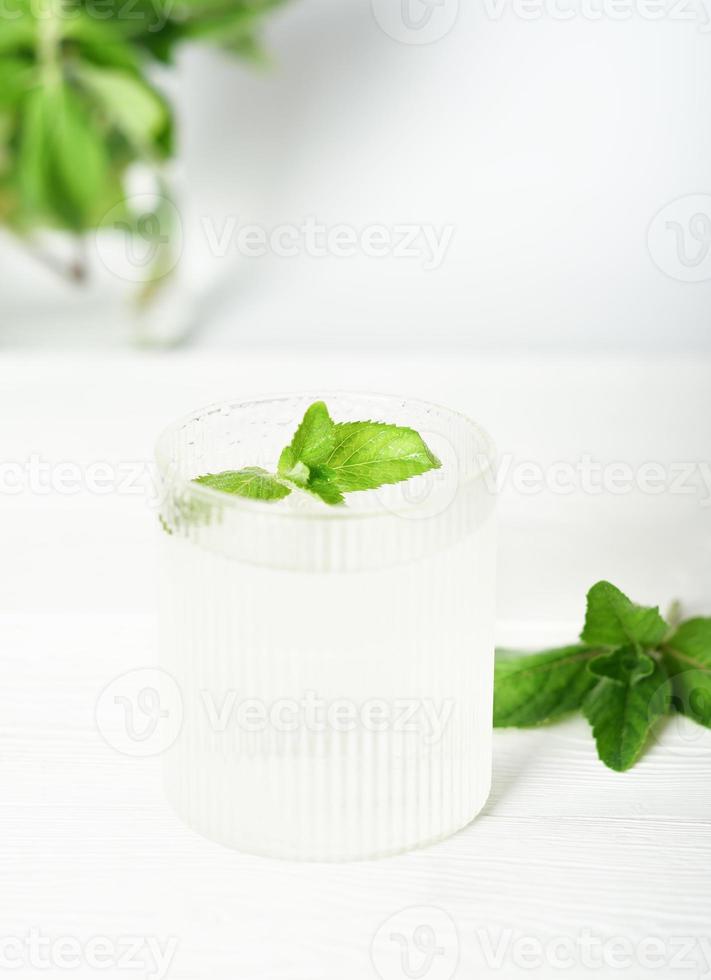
(538,688)
(328,459)
(630,669)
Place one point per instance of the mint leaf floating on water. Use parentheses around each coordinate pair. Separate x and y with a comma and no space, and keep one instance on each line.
(312,444)
(331,459)
(687,656)
(612,620)
(328,459)
(368,455)
(252,482)
(534,689)
(629,670)
(322,482)
(303,462)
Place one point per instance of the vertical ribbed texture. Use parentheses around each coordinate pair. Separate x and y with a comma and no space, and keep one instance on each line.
(384,608)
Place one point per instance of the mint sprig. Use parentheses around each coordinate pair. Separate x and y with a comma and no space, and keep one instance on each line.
(630,669)
(329,459)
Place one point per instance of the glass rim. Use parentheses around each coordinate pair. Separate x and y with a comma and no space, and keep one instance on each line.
(248,505)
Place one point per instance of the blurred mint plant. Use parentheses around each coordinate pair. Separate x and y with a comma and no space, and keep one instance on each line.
(78,107)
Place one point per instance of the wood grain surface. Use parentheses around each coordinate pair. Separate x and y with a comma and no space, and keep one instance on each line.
(571,870)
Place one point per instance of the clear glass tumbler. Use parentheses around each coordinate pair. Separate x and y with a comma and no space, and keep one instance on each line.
(335,663)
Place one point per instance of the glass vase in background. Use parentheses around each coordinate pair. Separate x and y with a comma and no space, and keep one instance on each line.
(125,284)
(335,664)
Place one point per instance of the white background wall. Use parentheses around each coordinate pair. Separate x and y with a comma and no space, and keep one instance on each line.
(562,147)
(547,144)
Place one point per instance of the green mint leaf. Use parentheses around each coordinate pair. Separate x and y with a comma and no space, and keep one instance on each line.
(252,482)
(331,459)
(315,438)
(627,665)
(322,482)
(32,157)
(17,77)
(687,656)
(84,107)
(368,455)
(64,165)
(313,441)
(328,460)
(293,469)
(612,620)
(623,688)
(101,42)
(131,106)
(533,689)
(19,32)
(622,715)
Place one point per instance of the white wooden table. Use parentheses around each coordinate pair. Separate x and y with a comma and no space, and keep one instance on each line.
(571,870)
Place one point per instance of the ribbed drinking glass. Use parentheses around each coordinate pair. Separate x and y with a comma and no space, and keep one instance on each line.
(335,663)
